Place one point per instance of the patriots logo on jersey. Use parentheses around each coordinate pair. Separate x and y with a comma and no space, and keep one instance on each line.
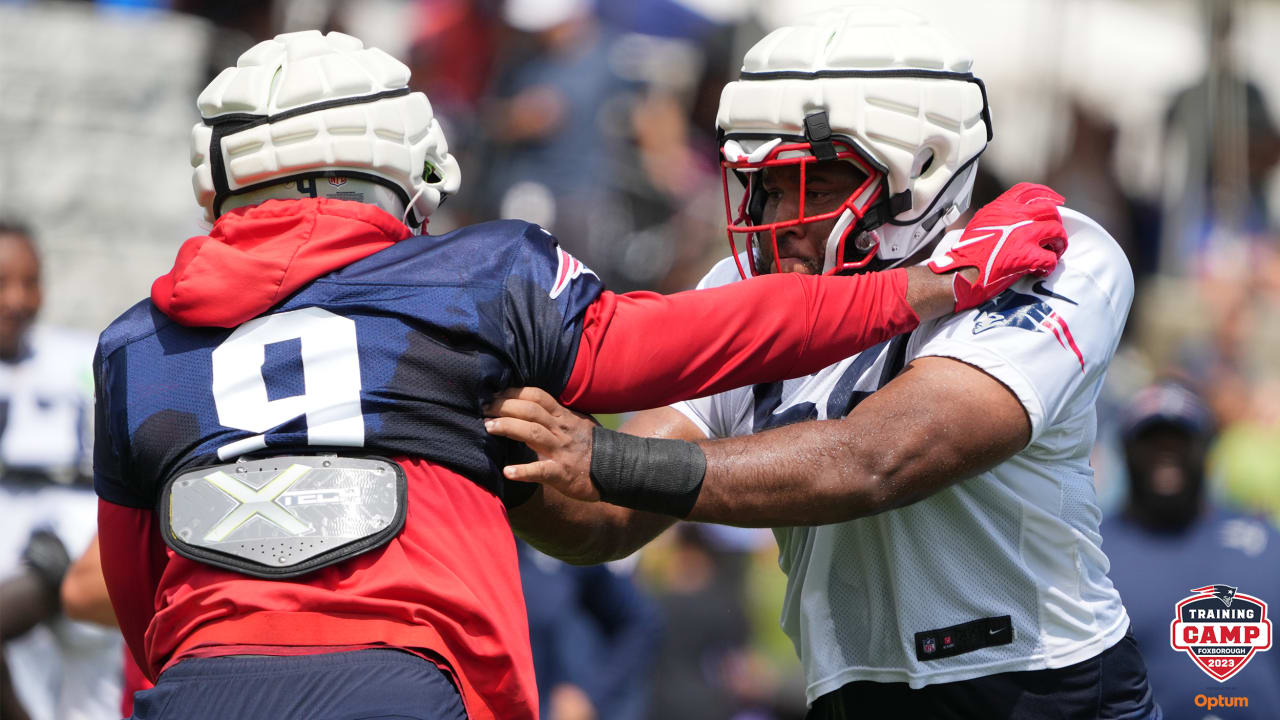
(568,267)
(1026,312)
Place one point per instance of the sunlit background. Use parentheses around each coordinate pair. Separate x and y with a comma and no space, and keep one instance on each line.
(596,119)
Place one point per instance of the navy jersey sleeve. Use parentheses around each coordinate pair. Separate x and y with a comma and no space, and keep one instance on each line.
(108,472)
(547,292)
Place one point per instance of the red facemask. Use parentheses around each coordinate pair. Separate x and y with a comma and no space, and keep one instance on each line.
(749,221)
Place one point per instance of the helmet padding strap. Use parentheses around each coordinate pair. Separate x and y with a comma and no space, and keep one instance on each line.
(817,130)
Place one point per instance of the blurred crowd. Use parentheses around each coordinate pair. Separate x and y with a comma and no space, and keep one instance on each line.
(595,119)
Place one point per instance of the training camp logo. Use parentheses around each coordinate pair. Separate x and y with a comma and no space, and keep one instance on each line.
(1221,629)
(1026,312)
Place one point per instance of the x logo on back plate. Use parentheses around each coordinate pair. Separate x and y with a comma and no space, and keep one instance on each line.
(253,503)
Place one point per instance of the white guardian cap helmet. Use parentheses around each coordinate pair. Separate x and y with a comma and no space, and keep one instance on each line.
(871,85)
(305,106)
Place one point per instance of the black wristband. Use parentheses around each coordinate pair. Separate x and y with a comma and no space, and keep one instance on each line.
(653,474)
(516,493)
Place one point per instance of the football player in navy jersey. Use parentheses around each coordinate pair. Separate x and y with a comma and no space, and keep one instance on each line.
(301,514)
(931,496)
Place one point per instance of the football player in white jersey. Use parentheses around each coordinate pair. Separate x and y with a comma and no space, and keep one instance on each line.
(932,497)
(60,669)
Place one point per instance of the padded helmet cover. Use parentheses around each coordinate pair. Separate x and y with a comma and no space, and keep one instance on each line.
(310,105)
(893,86)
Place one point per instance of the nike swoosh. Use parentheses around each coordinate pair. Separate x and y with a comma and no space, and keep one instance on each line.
(997,630)
(1040,288)
(961,243)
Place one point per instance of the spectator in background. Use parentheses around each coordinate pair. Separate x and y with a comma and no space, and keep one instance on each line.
(553,129)
(60,670)
(454,47)
(1221,331)
(707,667)
(1086,173)
(701,596)
(239,23)
(1222,143)
(1246,457)
(1246,386)
(451,56)
(1171,539)
(593,635)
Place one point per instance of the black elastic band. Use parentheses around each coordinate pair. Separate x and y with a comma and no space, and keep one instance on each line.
(654,474)
(817,128)
(244,121)
(923,73)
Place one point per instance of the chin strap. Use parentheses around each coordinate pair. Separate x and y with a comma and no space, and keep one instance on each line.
(849,224)
(404,218)
(842,227)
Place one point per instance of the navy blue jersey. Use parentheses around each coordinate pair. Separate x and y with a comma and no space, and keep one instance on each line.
(395,353)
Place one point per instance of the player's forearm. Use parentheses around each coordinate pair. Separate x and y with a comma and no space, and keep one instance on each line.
(803,474)
(652,350)
(829,471)
(937,423)
(921,433)
(582,533)
(932,295)
(84,590)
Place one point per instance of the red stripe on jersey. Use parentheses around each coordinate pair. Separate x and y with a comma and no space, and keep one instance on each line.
(1048,324)
(1071,340)
(568,268)
(563,260)
(1062,334)
(448,586)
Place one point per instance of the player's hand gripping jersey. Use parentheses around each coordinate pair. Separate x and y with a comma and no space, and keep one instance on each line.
(320,326)
(1000,572)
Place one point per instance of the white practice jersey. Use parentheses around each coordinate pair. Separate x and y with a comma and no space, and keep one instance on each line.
(1001,572)
(46,405)
(61,669)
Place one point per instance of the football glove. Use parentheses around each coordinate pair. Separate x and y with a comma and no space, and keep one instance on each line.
(1019,232)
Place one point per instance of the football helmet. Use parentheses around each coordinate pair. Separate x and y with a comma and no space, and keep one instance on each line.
(874,86)
(304,106)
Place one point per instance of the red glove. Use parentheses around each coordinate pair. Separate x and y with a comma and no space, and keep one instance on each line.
(1019,232)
